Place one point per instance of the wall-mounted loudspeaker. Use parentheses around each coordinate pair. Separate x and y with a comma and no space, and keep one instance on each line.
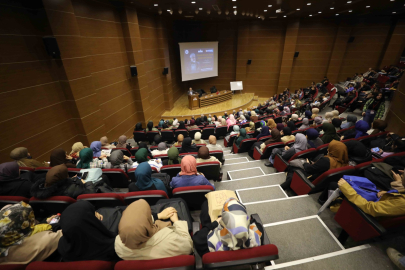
(165,71)
(296,54)
(249,61)
(351,39)
(51,46)
(134,71)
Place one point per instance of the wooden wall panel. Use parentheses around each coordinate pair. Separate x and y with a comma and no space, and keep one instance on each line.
(396,115)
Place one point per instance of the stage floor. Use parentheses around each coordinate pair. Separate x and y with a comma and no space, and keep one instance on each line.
(238,100)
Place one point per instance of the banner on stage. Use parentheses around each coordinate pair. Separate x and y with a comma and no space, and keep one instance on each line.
(236,86)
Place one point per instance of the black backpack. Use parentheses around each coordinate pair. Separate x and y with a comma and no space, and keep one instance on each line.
(177,203)
(166,181)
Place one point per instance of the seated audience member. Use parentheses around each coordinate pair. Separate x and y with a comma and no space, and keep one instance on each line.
(122,142)
(358,152)
(142,237)
(105,143)
(336,122)
(345,101)
(335,114)
(346,91)
(305,124)
(242,119)
(235,130)
(142,155)
(360,129)
(24,159)
(350,121)
(219,121)
(291,125)
(377,126)
(204,156)
(329,133)
(175,123)
(138,127)
(197,139)
(280,126)
(253,116)
(86,160)
(287,135)
(231,120)
(181,125)
(390,145)
(11,184)
(251,127)
(313,138)
(390,204)
(96,148)
(315,112)
(85,237)
(76,148)
(265,131)
(157,139)
(294,118)
(271,124)
(22,240)
(119,161)
(337,157)
(162,149)
(144,180)
(275,137)
(299,145)
(242,136)
(213,146)
(58,157)
(187,146)
(328,116)
(189,175)
(223,122)
(173,155)
(144,145)
(180,139)
(161,122)
(233,230)
(374,108)
(308,114)
(58,183)
(150,127)
(192,124)
(317,121)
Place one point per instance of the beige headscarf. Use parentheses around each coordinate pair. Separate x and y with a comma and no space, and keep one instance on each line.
(104,141)
(122,141)
(212,139)
(20,154)
(136,226)
(77,147)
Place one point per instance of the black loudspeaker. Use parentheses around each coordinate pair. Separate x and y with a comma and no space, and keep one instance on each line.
(165,71)
(51,46)
(249,61)
(351,39)
(134,71)
(296,54)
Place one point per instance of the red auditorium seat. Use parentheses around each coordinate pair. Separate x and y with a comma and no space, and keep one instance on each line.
(367,139)
(245,125)
(13,266)
(264,138)
(182,262)
(184,132)
(151,196)
(194,195)
(171,170)
(134,150)
(245,145)
(4,200)
(342,109)
(140,136)
(125,151)
(230,128)
(340,132)
(26,169)
(51,205)
(207,132)
(194,154)
(42,169)
(131,173)
(230,140)
(220,131)
(193,131)
(211,170)
(168,136)
(257,154)
(258,124)
(118,178)
(219,154)
(281,165)
(103,199)
(151,135)
(79,265)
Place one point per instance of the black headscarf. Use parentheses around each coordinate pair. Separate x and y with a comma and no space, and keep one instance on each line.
(157,139)
(150,125)
(84,236)
(198,121)
(291,125)
(138,127)
(356,148)
(287,131)
(186,146)
(164,125)
(144,145)
(181,125)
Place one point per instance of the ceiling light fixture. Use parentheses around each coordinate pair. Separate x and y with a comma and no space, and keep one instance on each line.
(349,2)
(337,14)
(319,11)
(350,10)
(168,10)
(233,0)
(367,6)
(310,15)
(265,10)
(284,16)
(155,5)
(234,6)
(393,12)
(180,11)
(200,8)
(308,4)
(193,2)
(270,5)
(208,12)
(392,0)
(298,9)
(332,8)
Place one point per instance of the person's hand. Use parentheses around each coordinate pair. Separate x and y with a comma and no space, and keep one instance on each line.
(308,161)
(50,218)
(84,182)
(174,217)
(342,137)
(380,151)
(126,158)
(363,114)
(99,216)
(379,194)
(286,147)
(68,157)
(103,156)
(396,176)
(218,219)
(167,213)
(341,182)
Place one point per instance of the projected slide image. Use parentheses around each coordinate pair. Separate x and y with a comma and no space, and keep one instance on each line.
(198,60)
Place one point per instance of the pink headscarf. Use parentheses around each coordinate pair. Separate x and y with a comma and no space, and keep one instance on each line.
(231,120)
(188,165)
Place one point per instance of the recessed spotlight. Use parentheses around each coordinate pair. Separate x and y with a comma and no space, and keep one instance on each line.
(270,5)
(310,15)
(265,10)
(337,14)
(308,4)
(155,5)
(349,2)
(298,9)
(200,8)
(393,12)
(367,6)
(285,16)
(332,8)
(319,11)
(234,6)
(233,0)
(350,10)
(392,0)
(193,2)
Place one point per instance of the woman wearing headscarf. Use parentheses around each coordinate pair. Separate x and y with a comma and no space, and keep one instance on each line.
(187,146)
(291,125)
(235,130)
(11,184)
(192,124)
(280,126)
(241,137)
(350,121)
(144,180)
(161,150)
(275,138)
(360,129)
(264,132)
(189,175)
(197,139)
(335,114)
(294,118)
(85,237)
(231,121)
(251,127)
(299,145)
(180,139)
(358,152)
(22,240)
(219,121)
(144,145)
(76,148)
(223,122)
(142,155)
(142,237)
(149,127)
(317,121)
(24,159)
(242,119)
(287,135)
(313,138)
(336,122)
(234,230)
(96,148)
(213,146)
(329,133)
(173,155)
(122,142)
(271,124)
(308,114)
(157,139)
(199,121)
(181,125)
(204,156)
(138,127)
(161,123)
(328,116)
(377,126)
(58,157)
(86,160)
(119,161)
(315,112)
(337,157)
(105,143)
(253,116)
(305,124)
(58,183)
(175,123)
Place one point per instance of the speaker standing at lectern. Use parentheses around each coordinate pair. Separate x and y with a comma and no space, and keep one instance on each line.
(190,91)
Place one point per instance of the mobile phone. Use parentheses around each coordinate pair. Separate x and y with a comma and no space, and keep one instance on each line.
(376,149)
(79,175)
(84,176)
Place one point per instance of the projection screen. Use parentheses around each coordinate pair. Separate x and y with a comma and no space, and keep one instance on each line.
(198,60)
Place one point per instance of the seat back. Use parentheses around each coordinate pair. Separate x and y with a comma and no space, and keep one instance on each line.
(309,153)
(257,124)
(39,170)
(323,149)
(194,154)
(257,154)
(278,119)
(151,135)
(219,154)
(184,132)
(168,136)
(134,150)
(182,262)
(125,151)
(194,195)
(230,140)
(140,136)
(193,131)
(171,170)
(221,131)
(79,265)
(366,140)
(264,138)
(207,132)
(245,125)
(211,170)
(103,199)
(322,181)
(50,206)
(245,145)
(26,169)
(118,178)
(151,196)
(73,171)
(4,200)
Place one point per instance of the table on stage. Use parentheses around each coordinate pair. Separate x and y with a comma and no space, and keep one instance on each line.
(195,102)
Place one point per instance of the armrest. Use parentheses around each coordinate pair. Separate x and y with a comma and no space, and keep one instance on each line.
(305,179)
(266,240)
(378,156)
(198,260)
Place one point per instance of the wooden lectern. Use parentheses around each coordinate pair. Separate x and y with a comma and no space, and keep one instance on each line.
(193,102)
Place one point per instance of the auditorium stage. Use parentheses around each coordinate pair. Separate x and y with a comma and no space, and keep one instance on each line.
(181,110)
